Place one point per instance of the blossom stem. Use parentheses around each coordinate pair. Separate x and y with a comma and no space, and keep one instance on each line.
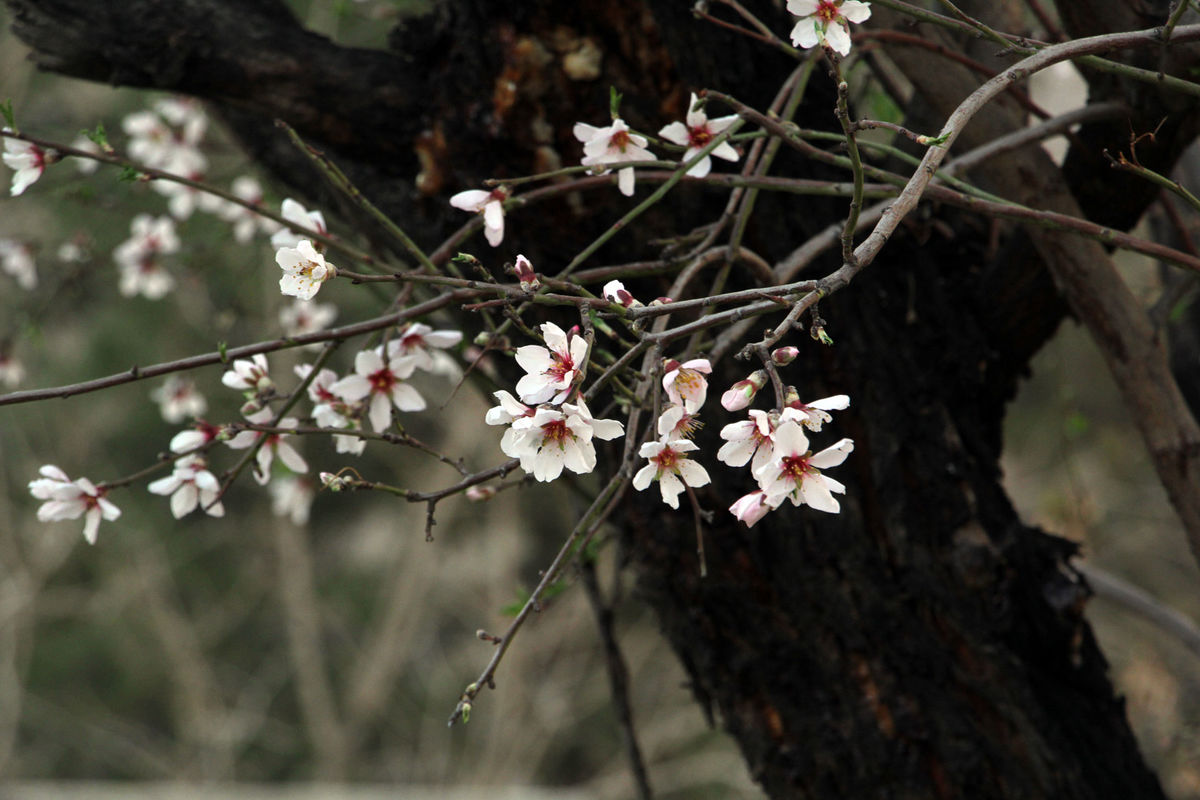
(576,541)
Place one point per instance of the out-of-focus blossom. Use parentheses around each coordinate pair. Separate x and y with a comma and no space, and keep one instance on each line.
(179,399)
(292,497)
(16,258)
(190,485)
(305,316)
(298,215)
(28,160)
(140,257)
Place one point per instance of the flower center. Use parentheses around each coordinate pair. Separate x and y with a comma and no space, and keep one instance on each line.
(619,140)
(827,11)
(556,432)
(700,135)
(666,460)
(382,381)
(306,268)
(796,468)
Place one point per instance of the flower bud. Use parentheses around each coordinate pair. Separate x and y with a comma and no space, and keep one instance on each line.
(614,291)
(332,482)
(741,394)
(525,274)
(480,494)
(661,301)
(784,355)
(791,398)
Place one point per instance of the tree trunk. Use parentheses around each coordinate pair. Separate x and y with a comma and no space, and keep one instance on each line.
(924,642)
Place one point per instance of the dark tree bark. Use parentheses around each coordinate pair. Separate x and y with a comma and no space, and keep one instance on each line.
(925,642)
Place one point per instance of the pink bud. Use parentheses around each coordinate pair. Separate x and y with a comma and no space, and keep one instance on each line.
(661,301)
(742,393)
(750,508)
(614,291)
(480,494)
(785,355)
(791,398)
(525,274)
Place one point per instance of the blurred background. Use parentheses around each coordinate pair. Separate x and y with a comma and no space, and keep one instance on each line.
(321,658)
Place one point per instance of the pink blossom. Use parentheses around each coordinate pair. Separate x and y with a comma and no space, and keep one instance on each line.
(742,393)
(751,508)
(685,383)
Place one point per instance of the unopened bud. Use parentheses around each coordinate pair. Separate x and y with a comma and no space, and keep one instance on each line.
(614,291)
(480,494)
(525,274)
(661,301)
(741,394)
(784,355)
(332,482)
(251,407)
(818,333)
(791,398)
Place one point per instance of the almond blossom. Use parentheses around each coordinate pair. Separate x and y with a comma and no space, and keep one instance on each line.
(139,257)
(331,411)
(553,438)
(273,444)
(490,205)
(305,316)
(826,22)
(551,369)
(292,497)
(742,393)
(613,144)
(67,499)
(752,438)
(249,375)
(16,258)
(813,415)
(12,371)
(245,221)
(297,214)
(614,292)
(196,437)
(415,341)
(383,383)
(304,270)
(676,423)
(697,133)
(794,472)
(525,274)
(27,159)
(190,485)
(671,467)
(178,399)
(751,508)
(685,383)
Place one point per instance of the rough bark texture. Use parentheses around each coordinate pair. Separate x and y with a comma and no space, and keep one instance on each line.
(924,643)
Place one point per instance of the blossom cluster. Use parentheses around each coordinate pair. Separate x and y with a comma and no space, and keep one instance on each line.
(546,432)
(340,406)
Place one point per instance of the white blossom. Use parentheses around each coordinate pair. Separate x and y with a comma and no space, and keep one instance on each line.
(826,22)
(190,485)
(490,205)
(16,258)
(552,439)
(292,497)
(274,444)
(696,134)
(139,257)
(306,316)
(67,499)
(27,159)
(304,270)
(671,467)
(178,399)
(298,215)
(613,144)
(248,375)
(794,472)
(551,370)
(685,383)
(383,383)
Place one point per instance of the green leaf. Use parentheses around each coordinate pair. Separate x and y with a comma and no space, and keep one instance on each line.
(6,110)
(614,102)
